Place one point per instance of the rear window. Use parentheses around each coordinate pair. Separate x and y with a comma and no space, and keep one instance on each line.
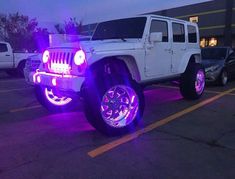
(3,47)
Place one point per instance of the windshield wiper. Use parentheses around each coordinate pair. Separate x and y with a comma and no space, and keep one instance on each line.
(124,40)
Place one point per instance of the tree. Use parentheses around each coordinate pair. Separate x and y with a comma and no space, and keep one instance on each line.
(72,27)
(40,37)
(19,31)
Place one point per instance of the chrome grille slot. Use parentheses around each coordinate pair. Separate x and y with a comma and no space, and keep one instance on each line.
(60,62)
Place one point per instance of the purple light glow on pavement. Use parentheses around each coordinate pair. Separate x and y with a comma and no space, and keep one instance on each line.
(164,94)
(68,123)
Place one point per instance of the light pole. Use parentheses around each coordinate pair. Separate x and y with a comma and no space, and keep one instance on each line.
(228,23)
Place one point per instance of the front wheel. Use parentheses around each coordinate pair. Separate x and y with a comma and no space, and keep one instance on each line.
(54,101)
(114,105)
(192,82)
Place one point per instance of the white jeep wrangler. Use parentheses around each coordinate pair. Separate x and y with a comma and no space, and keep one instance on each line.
(111,69)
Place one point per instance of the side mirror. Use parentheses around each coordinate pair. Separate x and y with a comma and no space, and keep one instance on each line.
(156,37)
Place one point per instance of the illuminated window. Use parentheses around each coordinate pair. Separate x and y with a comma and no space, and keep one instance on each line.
(203,42)
(194,19)
(213,41)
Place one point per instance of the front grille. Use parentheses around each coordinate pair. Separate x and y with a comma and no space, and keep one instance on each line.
(60,62)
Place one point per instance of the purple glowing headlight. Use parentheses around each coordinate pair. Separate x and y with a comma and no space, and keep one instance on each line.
(79,57)
(45,56)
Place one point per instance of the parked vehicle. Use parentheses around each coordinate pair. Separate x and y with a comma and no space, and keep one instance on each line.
(31,65)
(12,63)
(111,69)
(219,63)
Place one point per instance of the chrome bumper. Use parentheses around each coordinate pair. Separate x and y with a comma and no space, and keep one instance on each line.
(61,82)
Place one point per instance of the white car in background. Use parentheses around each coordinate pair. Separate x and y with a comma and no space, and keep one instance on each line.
(31,65)
(12,62)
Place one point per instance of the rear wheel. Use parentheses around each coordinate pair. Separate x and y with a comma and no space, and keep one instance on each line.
(113,105)
(54,102)
(192,81)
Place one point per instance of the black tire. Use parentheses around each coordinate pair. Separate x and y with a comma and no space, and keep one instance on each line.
(12,72)
(223,78)
(94,95)
(20,69)
(191,87)
(43,100)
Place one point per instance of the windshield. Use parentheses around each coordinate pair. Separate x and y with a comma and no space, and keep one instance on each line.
(120,29)
(214,53)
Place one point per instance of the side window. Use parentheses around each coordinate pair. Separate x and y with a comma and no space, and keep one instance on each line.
(160,26)
(178,32)
(192,34)
(3,47)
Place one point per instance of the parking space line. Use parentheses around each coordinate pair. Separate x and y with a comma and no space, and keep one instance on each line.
(206,91)
(17,89)
(166,86)
(109,146)
(25,108)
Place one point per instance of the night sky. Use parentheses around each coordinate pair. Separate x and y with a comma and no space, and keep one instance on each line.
(89,11)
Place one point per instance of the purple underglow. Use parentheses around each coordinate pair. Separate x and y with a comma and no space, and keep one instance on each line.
(55,100)
(79,57)
(162,95)
(46,56)
(53,81)
(68,123)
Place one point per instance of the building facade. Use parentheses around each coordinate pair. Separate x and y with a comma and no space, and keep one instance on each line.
(216,20)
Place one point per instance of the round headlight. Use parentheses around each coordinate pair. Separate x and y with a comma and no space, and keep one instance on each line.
(45,56)
(79,57)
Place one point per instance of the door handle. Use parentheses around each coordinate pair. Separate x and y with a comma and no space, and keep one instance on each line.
(7,55)
(168,49)
(183,49)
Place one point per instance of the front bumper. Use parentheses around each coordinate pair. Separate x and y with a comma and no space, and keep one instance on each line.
(68,83)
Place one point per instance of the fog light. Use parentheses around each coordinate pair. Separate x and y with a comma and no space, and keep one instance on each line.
(53,81)
(38,79)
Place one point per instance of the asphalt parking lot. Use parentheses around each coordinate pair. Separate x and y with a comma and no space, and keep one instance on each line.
(176,138)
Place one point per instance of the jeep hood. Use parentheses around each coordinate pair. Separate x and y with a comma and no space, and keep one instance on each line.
(105,45)
(100,46)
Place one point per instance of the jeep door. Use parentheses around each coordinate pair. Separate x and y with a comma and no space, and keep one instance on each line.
(178,45)
(158,54)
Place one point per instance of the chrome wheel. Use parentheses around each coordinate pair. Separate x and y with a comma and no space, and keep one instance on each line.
(119,106)
(200,82)
(56,100)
